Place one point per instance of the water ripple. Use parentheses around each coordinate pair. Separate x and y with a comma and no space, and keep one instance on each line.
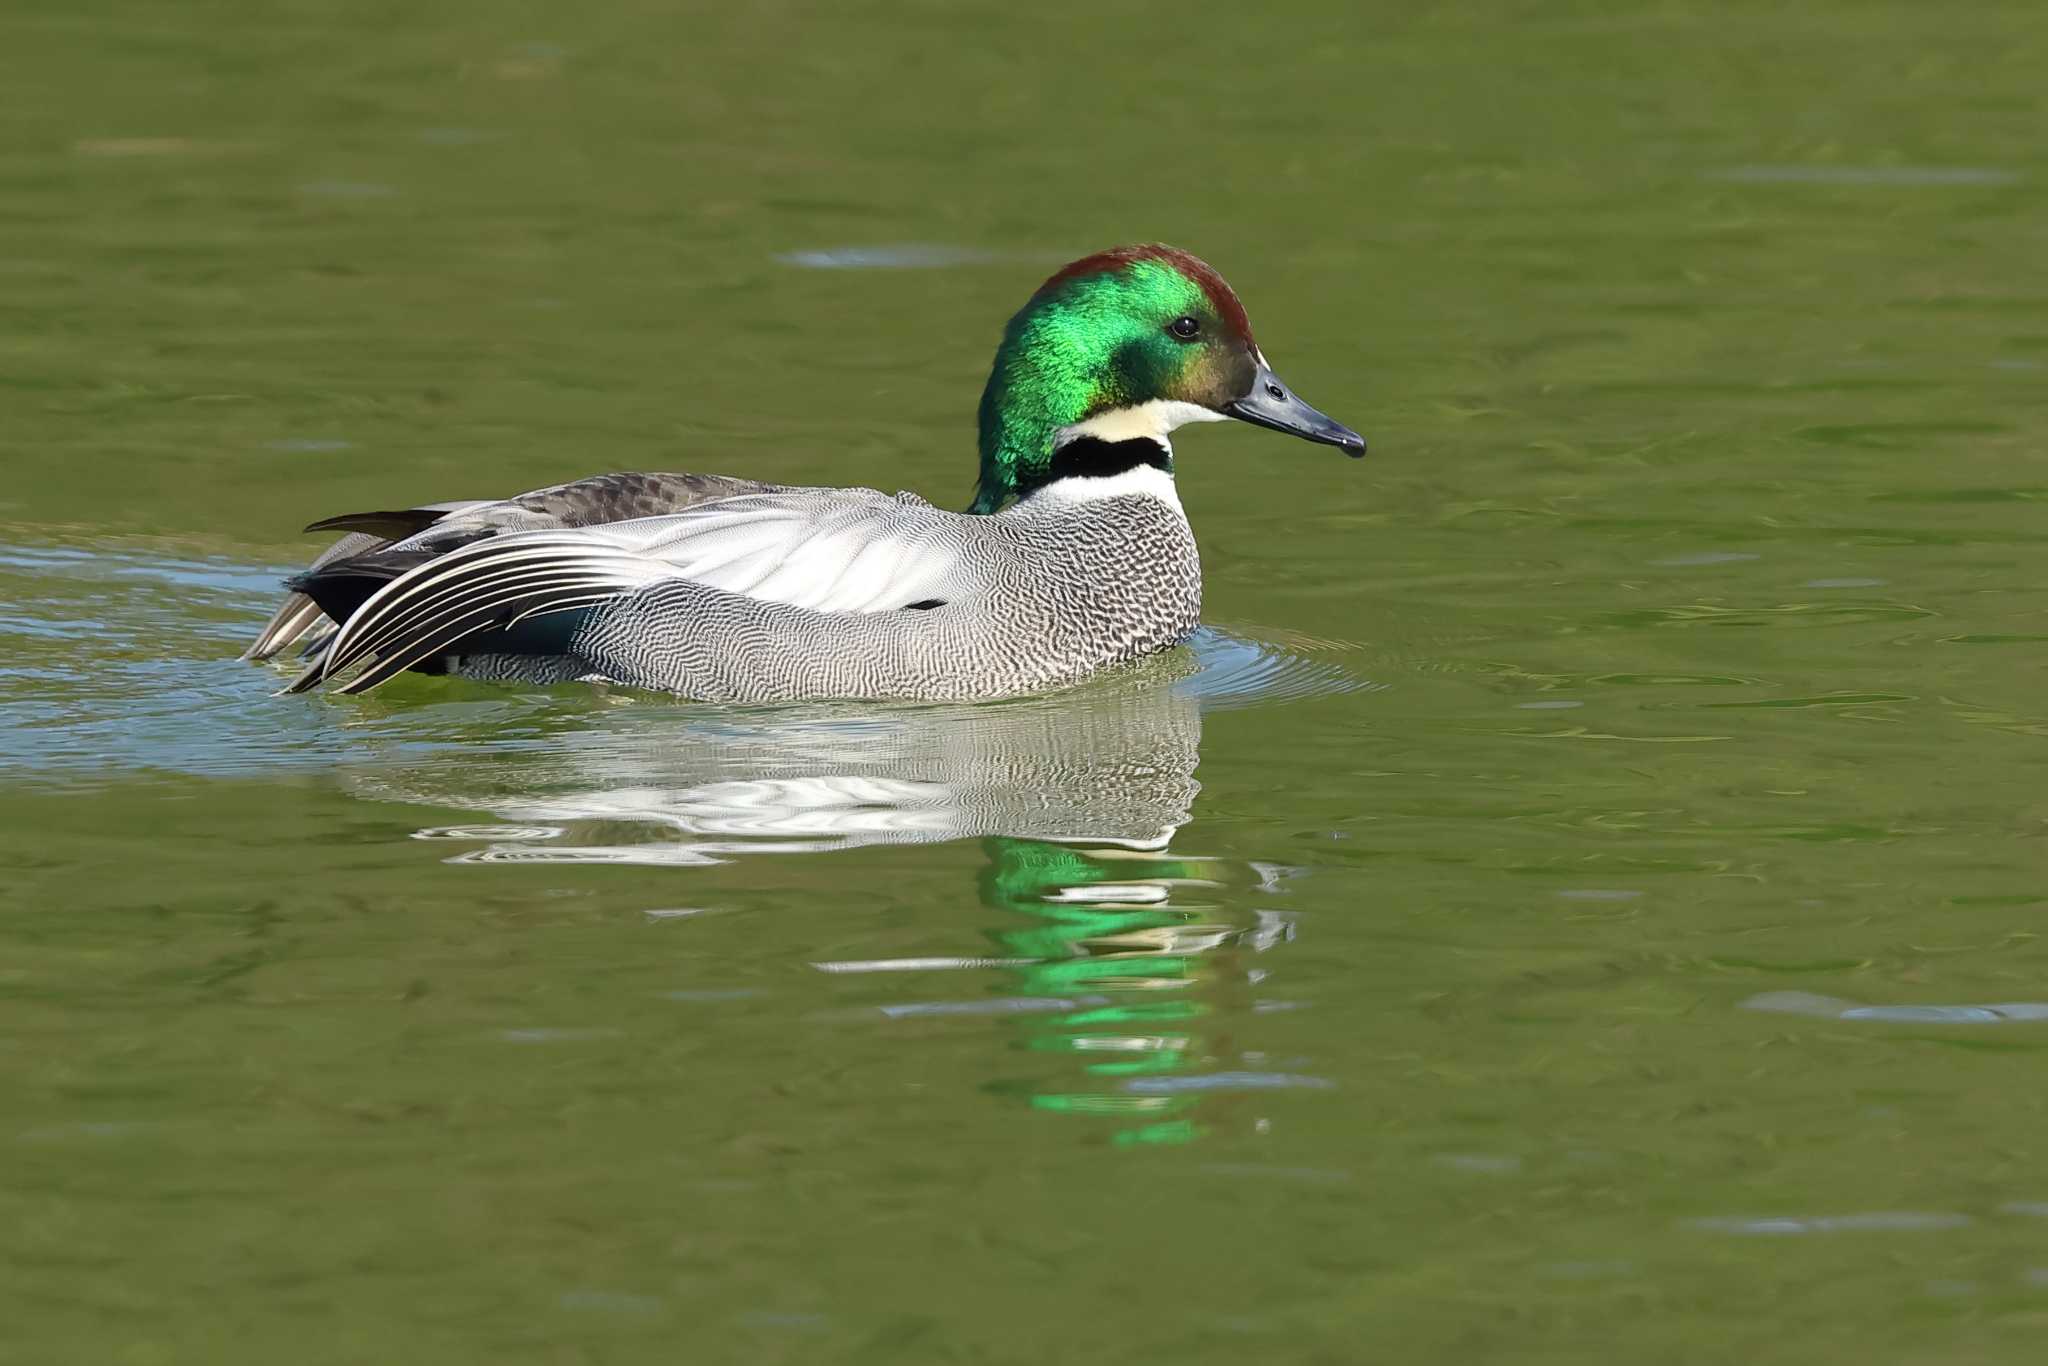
(1876,1221)
(1835,1008)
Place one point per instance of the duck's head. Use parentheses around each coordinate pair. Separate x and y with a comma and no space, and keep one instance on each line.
(1124,346)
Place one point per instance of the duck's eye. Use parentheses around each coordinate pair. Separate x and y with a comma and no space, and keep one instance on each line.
(1184,327)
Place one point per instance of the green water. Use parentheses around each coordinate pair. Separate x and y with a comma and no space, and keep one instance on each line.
(1518,931)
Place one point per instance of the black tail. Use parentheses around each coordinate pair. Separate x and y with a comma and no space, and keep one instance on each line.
(341,588)
(391,526)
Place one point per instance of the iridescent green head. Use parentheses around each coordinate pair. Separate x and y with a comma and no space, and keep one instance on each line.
(1126,345)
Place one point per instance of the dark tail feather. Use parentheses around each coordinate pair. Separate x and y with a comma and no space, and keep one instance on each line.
(340,588)
(388,526)
(341,585)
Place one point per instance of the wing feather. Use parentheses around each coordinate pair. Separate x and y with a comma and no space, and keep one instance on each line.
(846,550)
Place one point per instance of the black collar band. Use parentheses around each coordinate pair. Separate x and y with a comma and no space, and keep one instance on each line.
(1089,457)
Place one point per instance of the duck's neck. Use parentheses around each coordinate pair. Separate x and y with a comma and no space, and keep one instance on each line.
(1023,409)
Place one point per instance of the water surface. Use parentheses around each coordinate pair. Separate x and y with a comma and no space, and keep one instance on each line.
(1580,899)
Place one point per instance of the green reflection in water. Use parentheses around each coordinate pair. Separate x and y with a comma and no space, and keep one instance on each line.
(1105,934)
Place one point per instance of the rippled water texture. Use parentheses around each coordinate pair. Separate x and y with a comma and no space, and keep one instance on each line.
(1580,899)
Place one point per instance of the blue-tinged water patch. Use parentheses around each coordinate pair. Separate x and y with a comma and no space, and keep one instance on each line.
(1875,1221)
(888,256)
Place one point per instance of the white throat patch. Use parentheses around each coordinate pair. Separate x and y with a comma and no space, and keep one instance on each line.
(1144,481)
(1150,421)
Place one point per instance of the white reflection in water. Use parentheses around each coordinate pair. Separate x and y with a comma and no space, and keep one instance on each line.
(490,832)
(1227,1081)
(1112,763)
(1001,1005)
(927,964)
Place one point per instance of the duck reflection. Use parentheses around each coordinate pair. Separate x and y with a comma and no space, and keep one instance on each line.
(1112,762)
(1118,949)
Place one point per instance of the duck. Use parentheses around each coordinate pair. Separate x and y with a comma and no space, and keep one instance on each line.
(1075,555)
